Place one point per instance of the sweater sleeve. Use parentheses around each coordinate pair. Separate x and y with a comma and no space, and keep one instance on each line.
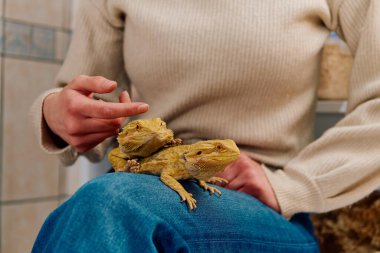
(343,165)
(95,50)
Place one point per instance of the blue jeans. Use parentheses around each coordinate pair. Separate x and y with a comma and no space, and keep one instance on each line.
(123,212)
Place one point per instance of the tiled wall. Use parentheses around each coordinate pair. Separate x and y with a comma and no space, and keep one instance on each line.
(34,36)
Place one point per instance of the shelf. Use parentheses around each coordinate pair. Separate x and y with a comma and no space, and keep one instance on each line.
(333,106)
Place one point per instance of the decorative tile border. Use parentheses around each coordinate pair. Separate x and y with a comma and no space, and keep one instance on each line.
(33,42)
(43,43)
(17,38)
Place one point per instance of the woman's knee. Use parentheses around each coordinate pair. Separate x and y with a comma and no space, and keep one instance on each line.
(116,189)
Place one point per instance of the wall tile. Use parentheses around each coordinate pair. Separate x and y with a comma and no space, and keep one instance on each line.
(70,179)
(1,8)
(17,39)
(27,171)
(74,7)
(62,42)
(43,43)
(20,224)
(1,76)
(67,7)
(74,176)
(36,11)
(1,35)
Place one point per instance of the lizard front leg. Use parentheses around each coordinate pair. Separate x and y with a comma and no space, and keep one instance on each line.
(173,143)
(118,160)
(208,188)
(132,166)
(220,180)
(173,184)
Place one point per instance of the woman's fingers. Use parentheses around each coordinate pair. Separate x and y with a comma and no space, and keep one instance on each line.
(109,110)
(124,97)
(92,84)
(86,106)
(235,183)
(85,142)
(230,172)
(245,179)
(250,186)
(90,125)
(80,120)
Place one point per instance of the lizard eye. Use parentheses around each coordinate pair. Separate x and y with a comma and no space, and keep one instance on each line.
(138,127)
(199,152)
(219,147)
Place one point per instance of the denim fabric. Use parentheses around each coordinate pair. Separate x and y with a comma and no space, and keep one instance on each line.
(122,212)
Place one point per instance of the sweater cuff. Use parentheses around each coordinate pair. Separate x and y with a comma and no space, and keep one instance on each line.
(295,192)
(41,129)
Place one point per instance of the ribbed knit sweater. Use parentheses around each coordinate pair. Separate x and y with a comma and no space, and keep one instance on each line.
(246,70)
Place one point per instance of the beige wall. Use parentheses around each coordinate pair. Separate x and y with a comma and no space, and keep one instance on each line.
(33,42)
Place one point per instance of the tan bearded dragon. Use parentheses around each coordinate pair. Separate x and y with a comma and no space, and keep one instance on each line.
(139,139)
(201,161)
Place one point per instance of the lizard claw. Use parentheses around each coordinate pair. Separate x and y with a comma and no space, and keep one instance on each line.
(191,202)
(173,143)
(177,142)
(132,166)
(210,189)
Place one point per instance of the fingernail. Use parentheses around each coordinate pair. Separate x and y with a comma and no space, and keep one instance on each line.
(110,84)
(142,108)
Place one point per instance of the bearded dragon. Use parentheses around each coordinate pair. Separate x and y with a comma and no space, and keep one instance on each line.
(141,138)
(200,161)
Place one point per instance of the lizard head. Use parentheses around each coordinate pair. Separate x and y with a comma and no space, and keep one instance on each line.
(143,137)
(209,157)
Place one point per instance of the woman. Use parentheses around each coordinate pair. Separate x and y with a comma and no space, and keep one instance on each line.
(244,70)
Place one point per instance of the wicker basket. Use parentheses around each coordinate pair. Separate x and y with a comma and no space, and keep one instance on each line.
(335,70)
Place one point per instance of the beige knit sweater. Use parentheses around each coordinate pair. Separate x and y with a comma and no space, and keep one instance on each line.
(246,70)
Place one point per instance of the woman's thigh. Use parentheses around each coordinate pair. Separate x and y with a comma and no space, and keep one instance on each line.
(122,212)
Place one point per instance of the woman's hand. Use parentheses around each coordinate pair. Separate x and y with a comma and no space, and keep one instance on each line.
(83,122)
(247,176)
